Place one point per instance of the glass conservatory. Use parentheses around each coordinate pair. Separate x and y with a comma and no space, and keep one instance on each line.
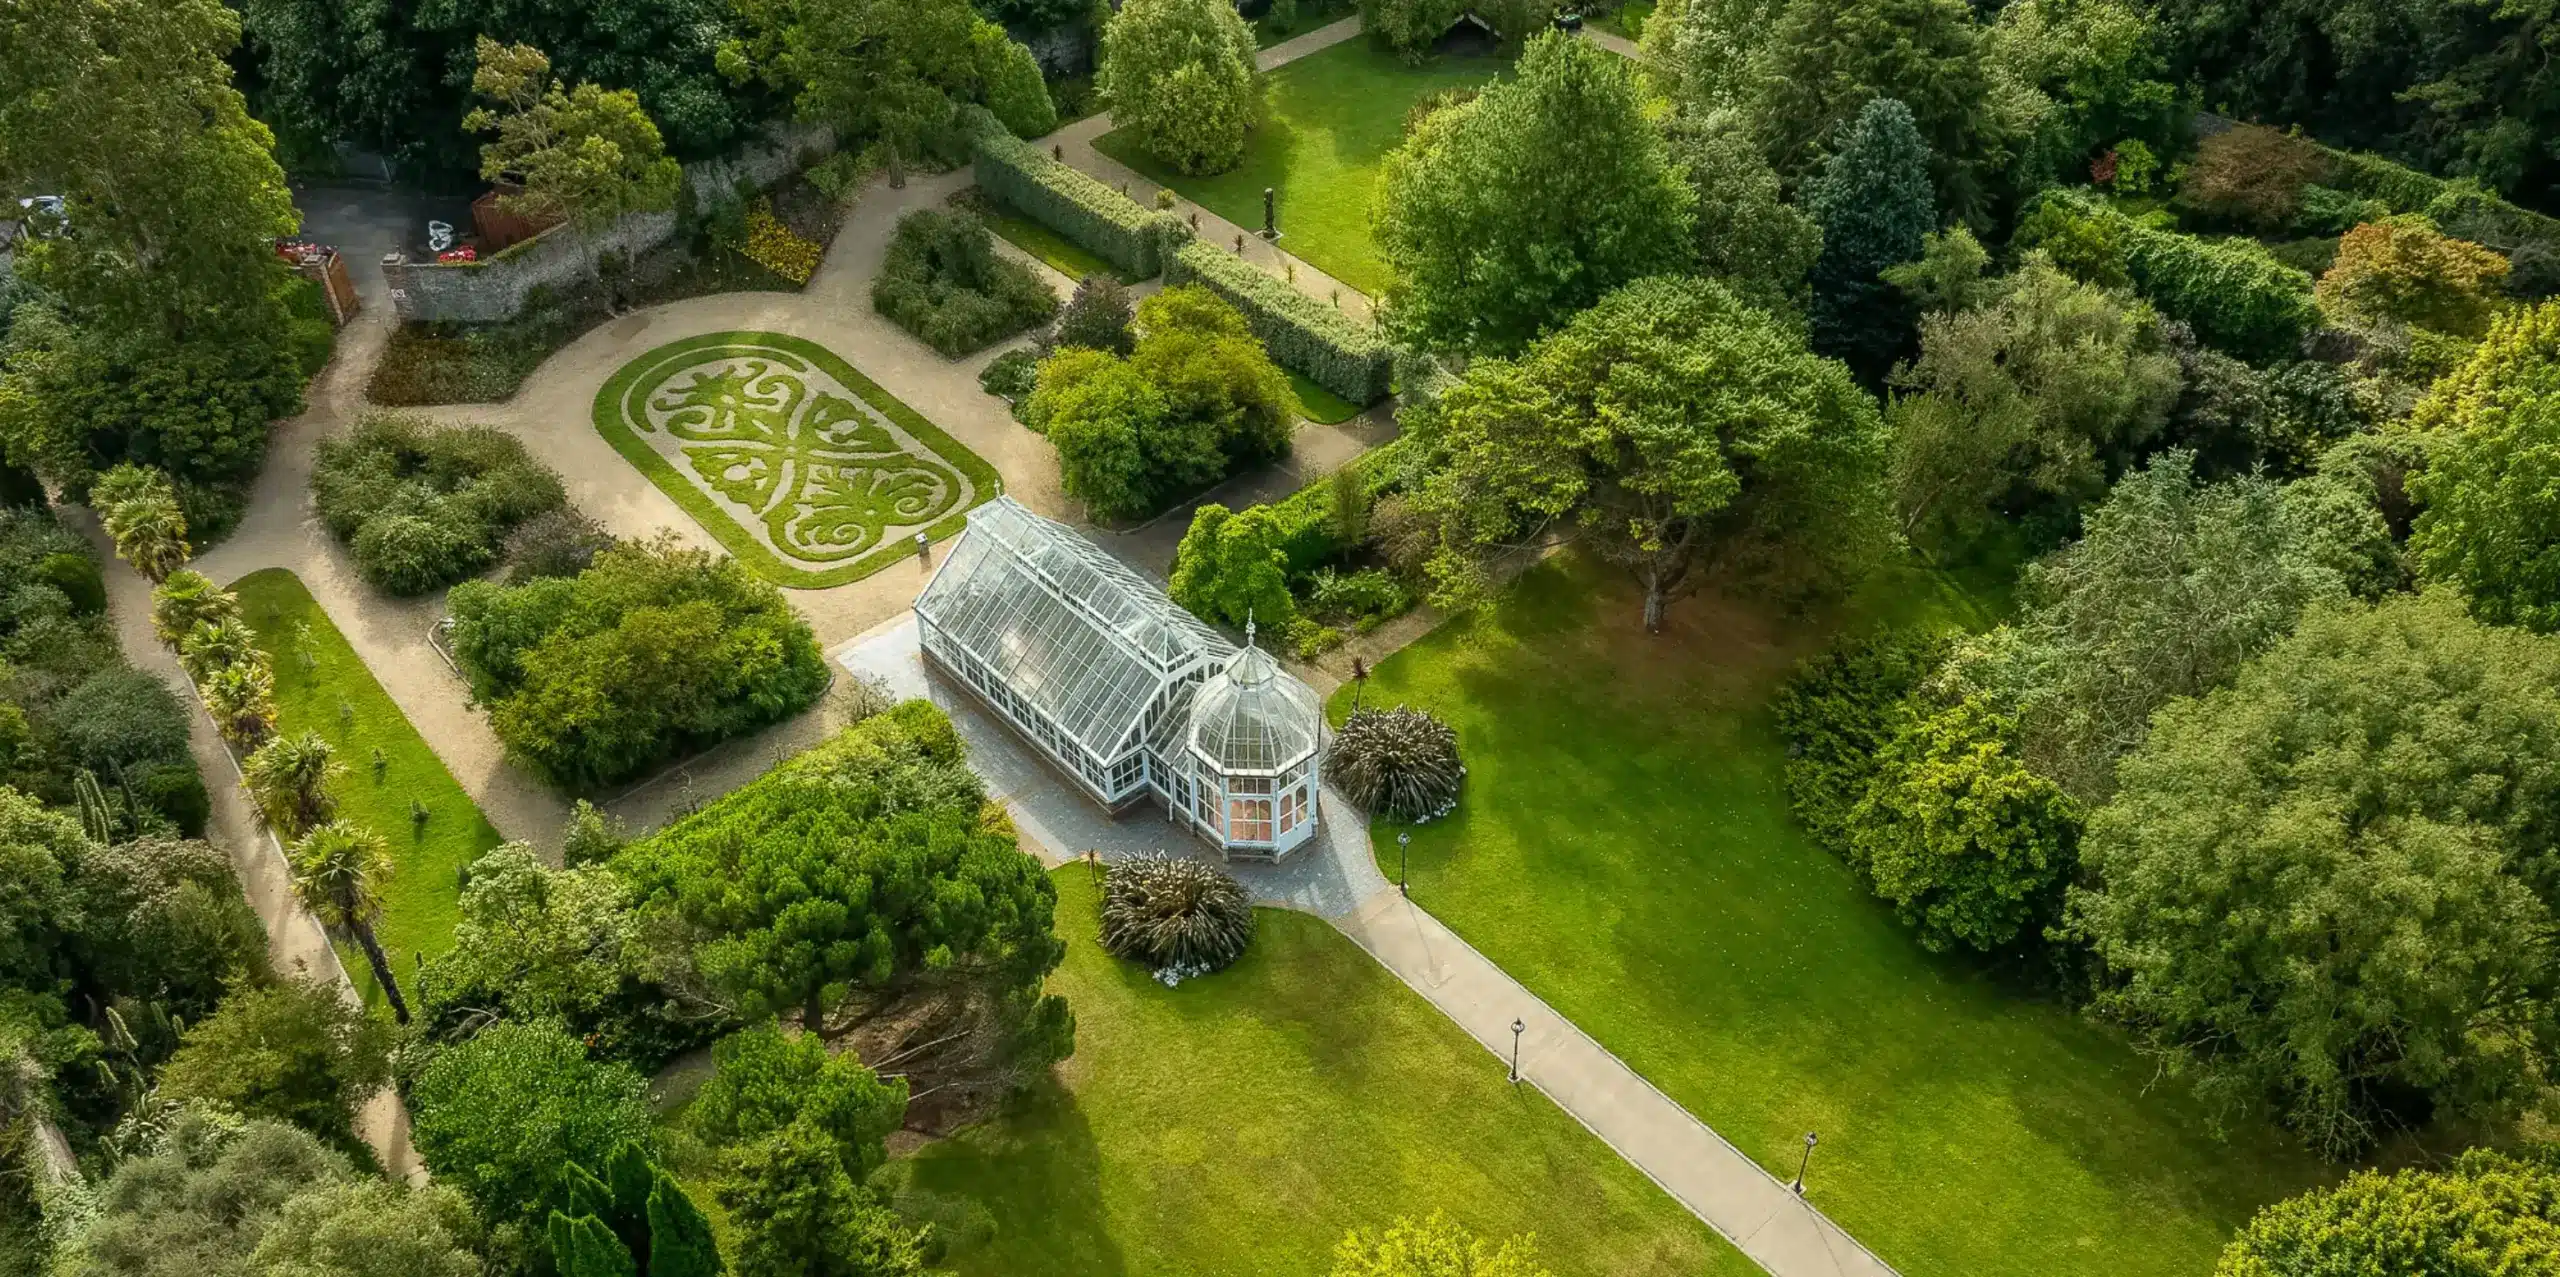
(1125,692)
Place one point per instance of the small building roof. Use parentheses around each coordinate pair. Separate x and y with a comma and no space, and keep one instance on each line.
(1074,631)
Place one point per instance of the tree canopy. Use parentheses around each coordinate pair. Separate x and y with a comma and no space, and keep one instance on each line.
(1181,78)
(1665,423)
(1505,215)
(2490,517)
(586,156)
(2486,1215)
(2324,889)
(1873,201)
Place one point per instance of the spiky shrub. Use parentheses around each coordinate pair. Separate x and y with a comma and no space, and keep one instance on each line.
(1169,912)
(1398,763)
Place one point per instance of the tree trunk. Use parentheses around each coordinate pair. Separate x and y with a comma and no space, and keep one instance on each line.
(1652,601)
(813,1016)
(382,973)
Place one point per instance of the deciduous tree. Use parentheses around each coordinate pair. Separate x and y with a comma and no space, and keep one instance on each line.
(2403,270)
(2321,887)
(1668,421)
(1231,568)
(586,156)
(1434,1247)
(297,1051)
(1824,64)
(1971,846)
(1180,76)
(500,1115)
(2039,393)
(2490,490)
(1504,216)
(2486,1213)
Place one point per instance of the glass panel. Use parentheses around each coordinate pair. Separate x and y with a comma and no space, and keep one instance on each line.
(1248,820)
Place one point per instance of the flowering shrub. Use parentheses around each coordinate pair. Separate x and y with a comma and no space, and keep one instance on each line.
(777,247)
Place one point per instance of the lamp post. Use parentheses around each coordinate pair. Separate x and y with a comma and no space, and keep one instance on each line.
(1798,1186)
(1403,842)
(1516,1028)
(1270,223)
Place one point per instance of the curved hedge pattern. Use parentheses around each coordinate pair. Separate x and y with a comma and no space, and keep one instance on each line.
(856,494)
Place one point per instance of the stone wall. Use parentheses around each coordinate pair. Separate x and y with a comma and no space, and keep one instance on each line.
(496,289)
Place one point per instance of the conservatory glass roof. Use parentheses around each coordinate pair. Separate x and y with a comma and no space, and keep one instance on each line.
(1252,717)
(1069,628)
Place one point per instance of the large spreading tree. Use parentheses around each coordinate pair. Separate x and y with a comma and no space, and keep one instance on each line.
(586,156)
(1666,422)
(885,69)
(856,881)
(1505,215)
(2325,889)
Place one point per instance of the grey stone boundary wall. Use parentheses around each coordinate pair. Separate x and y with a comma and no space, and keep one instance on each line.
(496,288)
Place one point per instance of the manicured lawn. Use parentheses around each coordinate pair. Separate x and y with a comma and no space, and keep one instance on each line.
(1330,120)
(1623,848)
(1317,404)
(1069,258)
(1240,1124)
(421,901)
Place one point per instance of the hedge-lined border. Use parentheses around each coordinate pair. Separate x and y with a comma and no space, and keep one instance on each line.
(1070,202)
(985,484)
(1302,333)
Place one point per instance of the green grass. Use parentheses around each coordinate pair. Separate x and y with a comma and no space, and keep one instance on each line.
(613,419)
(1064,255)
(1319,405)
(421,901)
(1330,120)
(1242,1123)
(1623,847)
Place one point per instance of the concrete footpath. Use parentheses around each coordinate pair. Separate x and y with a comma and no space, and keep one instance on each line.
(1754,1210)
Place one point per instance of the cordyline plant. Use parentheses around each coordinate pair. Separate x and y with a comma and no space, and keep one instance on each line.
(1169,912)
(1398,763)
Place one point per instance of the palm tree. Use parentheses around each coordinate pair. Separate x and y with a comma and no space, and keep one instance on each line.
(212,645)
(187,599)
(141,513)
(289,777)
(241,697)
(338,871)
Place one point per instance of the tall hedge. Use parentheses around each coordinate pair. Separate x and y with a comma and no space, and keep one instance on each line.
(2235,294)
(1302,333)
(1094,216)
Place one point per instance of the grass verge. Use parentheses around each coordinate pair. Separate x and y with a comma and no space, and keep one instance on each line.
(612,420)
(323,686)
(1330,119)
(1319,405)
(1064,255)
(1240,1124)
(1624,849)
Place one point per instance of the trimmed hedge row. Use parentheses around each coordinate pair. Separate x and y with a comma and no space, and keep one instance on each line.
(2234,293)
(2462,208)
(1094,216)
(1301,332)
(1305,517)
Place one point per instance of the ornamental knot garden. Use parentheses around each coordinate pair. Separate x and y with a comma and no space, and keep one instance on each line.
(797,463)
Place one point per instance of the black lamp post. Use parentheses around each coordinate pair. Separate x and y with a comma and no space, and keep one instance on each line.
(1516,1028)
(1798,1186)
(1403,842)
(1270,209)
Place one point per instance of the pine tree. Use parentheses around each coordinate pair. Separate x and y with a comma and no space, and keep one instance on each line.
(680,1241)
(584,1247)
(1875,205)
